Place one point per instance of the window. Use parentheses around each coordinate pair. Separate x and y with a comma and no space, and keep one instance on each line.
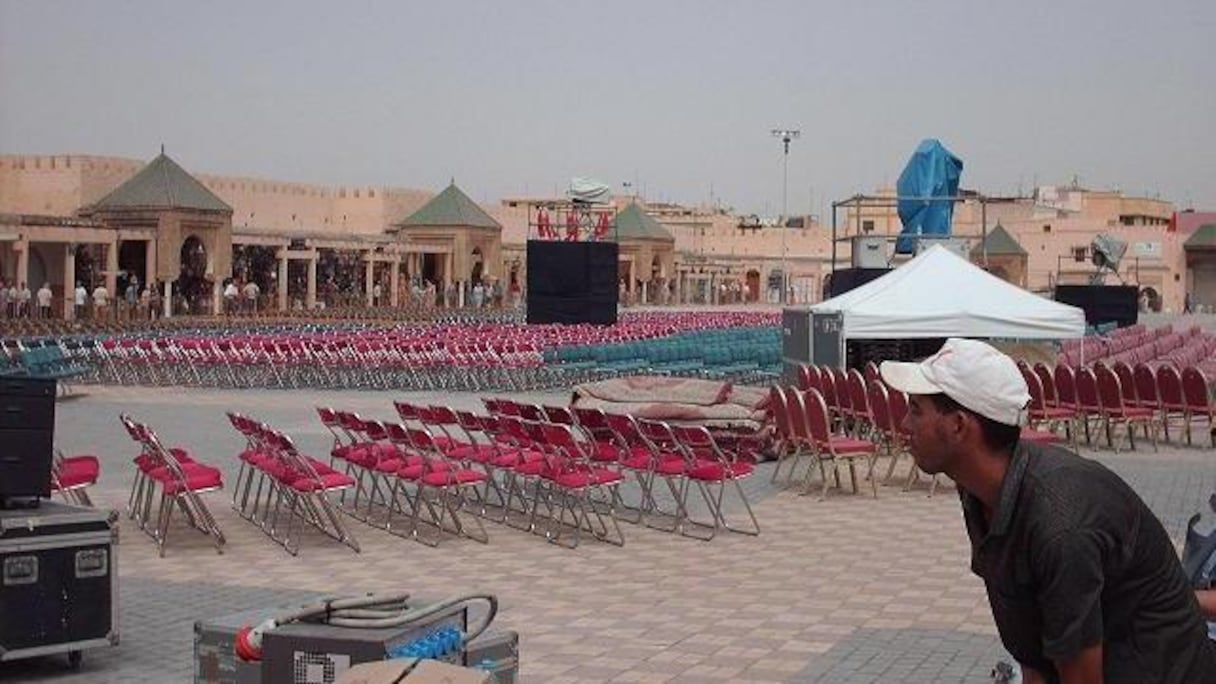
(1127,220)
(1046,227)
(1080,254)
(867,226)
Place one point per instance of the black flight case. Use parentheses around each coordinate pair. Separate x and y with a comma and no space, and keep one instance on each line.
(58,580)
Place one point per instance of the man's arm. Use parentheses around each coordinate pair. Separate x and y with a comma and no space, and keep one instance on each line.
(1085,668)
(1207,602)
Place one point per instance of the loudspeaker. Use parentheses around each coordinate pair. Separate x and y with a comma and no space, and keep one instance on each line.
(869,252)
(1119,304)
(572,282)
(845,279)
(27,433)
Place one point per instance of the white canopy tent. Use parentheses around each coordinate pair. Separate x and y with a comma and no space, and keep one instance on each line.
(940,294)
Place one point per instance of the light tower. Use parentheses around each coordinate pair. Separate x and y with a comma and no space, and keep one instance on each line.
(785,135)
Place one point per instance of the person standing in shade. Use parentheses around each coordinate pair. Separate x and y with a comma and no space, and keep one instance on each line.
(4,300)
(1083,581)
(101,302)
(24,297)
(251,297)
(230,295)
(44,301)
(80,298)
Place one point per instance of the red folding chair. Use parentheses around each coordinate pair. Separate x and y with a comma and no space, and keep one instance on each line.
(573,484)
(714,468)
(71,477)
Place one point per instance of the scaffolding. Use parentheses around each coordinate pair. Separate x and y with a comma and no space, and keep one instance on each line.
(572,221)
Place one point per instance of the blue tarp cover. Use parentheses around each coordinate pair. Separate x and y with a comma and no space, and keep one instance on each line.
(933,171)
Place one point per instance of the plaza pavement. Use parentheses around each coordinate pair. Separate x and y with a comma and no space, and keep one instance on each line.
(850,589)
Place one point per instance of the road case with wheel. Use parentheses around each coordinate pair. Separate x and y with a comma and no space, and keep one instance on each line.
(58,580)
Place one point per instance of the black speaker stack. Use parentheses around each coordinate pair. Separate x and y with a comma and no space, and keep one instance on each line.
(572,282)
(27,435)
(1118,304)
(844,279)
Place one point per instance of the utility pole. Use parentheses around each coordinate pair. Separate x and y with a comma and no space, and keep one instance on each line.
(785,136)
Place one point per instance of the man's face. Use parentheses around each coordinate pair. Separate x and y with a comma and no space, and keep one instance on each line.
(932,434)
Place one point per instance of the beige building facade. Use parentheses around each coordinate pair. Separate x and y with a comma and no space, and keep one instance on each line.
(56,210)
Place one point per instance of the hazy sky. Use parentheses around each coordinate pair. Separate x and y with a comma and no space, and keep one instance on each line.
(678,97)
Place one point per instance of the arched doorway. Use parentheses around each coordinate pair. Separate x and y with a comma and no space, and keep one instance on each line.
(192,284)
(753,286)
(478,266)
(1150,299)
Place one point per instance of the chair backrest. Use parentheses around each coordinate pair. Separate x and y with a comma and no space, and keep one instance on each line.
(1047,383)
(699,444)
(1087,390)
(779,403)
(899,410)
(329,418)
(1066,386)
(1127,383)
(1110,394)
(1195,389)
(407,411)
(657,433)
(880,408)
(1169,387)
(804,377)
(375,431)
(841,380)
(870,372)
(859,401)
(531,412)
(626,429)
(558,414)
(593,423)
(818,421)
(398,435)
(1037,402)
(569,453)
(828,387)
(1146,385)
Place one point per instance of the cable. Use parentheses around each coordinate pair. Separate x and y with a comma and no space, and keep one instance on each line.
(372,611)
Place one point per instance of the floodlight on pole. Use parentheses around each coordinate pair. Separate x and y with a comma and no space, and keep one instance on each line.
(785,135)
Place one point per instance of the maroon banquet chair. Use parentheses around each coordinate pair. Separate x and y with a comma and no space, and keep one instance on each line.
(1115,410)
(834,448)
(786,446)
(1173,401)
(1196,394)
(1039,412)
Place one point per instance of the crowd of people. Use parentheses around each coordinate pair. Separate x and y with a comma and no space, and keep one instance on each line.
(134,303)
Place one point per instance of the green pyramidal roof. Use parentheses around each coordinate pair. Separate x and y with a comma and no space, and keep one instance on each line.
(162,184)
(1204,236)
(451,208)
(634,224)
(999,242)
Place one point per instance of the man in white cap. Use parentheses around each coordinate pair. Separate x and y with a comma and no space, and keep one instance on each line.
(1083,581)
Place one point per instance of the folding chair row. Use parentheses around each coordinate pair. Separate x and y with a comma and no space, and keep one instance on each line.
(683,457)
(180,482)
(287,483)
(401,470)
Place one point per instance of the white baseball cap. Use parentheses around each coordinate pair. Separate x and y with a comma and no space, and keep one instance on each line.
(970,372)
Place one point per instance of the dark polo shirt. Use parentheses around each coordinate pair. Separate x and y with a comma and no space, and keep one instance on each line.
(1073,557)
